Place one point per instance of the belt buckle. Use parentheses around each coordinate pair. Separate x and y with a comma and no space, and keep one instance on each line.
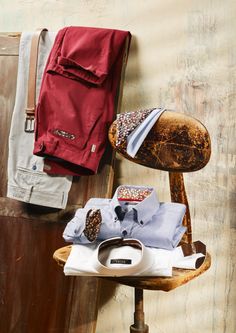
(29,124)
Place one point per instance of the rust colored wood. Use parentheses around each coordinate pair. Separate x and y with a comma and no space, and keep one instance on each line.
(176,143)
(35,295)
(178,194)
(180,276)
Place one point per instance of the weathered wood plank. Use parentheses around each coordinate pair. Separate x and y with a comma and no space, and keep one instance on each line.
(31,285)
(9,43)
(8,73)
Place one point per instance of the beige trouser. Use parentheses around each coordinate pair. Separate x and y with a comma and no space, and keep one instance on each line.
(26,180)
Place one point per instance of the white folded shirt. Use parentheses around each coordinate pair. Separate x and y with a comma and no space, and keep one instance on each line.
(125,257)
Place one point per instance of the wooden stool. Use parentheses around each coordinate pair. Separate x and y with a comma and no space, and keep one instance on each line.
(177,143)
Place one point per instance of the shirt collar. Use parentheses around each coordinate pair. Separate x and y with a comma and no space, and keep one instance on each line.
(145,209)
(110,250)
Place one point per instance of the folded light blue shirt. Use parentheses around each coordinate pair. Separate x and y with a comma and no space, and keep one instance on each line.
(155,224)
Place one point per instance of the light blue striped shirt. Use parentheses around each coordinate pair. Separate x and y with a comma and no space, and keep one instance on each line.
(155,224)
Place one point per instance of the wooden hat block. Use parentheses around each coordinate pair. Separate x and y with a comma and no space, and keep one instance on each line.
(176,143)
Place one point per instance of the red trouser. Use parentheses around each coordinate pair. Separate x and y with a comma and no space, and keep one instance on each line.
(77,98)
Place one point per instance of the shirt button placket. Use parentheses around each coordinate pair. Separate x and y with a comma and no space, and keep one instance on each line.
(125,231)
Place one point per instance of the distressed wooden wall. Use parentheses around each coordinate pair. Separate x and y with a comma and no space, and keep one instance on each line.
(183,56)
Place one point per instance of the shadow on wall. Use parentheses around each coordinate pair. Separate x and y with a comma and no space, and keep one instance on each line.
(133,95)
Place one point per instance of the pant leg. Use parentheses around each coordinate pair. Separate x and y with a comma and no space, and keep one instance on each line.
(27,181)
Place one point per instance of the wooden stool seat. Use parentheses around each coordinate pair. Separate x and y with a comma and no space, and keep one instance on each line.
(180,276)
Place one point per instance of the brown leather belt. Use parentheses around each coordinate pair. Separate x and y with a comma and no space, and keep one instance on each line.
(31,99)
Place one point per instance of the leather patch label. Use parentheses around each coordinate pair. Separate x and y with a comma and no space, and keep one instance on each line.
(64,134)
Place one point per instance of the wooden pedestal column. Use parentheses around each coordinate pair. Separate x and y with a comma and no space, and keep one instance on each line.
(139,325)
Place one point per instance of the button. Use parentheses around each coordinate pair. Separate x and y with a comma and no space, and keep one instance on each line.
(115,219)
(141,222)
(124,232)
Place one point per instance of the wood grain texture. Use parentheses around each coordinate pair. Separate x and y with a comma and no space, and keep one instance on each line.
(8,68)
(25,291)
(178,194)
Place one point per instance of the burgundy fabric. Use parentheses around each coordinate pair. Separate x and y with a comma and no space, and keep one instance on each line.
(77,98)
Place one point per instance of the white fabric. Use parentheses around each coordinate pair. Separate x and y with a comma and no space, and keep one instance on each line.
(188,262)
(86,259)
(26,180)
(136,138)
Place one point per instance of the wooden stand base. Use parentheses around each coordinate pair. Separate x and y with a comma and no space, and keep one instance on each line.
(139,330)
